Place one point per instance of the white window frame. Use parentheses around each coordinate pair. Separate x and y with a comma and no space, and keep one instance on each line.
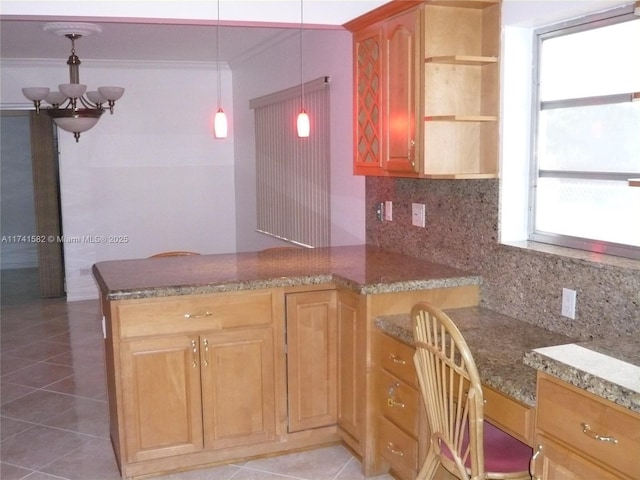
(592,21)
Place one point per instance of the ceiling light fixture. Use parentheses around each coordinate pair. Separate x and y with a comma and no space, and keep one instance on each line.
(70,109)
(220,120)
(302,124)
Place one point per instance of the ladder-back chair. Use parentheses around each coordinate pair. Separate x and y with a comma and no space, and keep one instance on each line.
(460,440)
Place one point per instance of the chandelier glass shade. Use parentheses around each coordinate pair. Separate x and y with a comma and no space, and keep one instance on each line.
(72,108)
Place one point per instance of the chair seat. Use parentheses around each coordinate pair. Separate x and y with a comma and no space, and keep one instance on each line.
(502,452)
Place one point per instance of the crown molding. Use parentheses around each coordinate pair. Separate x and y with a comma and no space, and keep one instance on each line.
(112,64)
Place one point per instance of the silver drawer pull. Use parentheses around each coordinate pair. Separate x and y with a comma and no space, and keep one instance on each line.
(198,315)
(395,359)
(392,448)
(586,429)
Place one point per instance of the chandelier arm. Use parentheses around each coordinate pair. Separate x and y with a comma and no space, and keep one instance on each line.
(88,104)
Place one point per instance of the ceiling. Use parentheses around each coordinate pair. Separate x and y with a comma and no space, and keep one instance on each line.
(173,39)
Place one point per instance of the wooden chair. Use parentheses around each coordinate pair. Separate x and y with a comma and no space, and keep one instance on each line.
(460,440)
(174,253)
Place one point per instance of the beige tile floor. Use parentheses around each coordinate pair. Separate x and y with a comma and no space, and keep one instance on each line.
(54,421)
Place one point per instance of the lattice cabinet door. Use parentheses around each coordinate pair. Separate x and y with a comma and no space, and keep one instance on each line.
(368,101)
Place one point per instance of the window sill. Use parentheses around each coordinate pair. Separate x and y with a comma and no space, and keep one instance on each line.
(575,254)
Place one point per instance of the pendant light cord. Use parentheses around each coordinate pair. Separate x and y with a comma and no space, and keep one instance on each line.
(301,57)
(218,54)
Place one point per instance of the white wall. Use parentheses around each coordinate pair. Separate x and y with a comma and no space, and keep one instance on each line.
(152,176)
(153,172)
(326,53)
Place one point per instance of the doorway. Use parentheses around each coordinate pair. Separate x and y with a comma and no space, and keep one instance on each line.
(31,251)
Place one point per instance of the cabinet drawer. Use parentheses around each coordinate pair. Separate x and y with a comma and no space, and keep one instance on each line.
(555,461)
(563,412)
(399,449)
(508,414)
(397,358)
(193,313)
(399,402)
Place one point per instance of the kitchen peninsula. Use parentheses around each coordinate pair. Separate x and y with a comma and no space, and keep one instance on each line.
(217,358)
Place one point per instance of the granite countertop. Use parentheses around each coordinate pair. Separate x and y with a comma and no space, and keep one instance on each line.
(609,368)
(364,269)
(498,344)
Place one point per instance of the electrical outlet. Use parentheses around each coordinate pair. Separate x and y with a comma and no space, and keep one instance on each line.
(388,211)
(569,303)
(418,214)
(380,211)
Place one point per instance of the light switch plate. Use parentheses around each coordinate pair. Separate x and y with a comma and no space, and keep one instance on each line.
(418,214)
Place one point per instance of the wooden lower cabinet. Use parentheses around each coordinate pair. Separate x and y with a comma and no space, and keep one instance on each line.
(238,388)
(401,416)
(580,435)
(312,359)
(352,329)
(184,393)
(197,380)
(161,392)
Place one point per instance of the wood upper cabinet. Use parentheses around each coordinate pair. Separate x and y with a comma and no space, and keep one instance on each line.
(312,359)
(427,89)
(368,146)
(401,75)
(580,435)
(461,89)
(385,96)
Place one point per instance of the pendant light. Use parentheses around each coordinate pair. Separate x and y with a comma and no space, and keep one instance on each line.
(220,120)
(302,125)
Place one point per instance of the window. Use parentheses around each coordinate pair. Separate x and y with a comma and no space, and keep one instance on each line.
(292,174)
(587,136)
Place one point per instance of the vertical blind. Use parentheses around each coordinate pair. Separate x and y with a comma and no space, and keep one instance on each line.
(293,174)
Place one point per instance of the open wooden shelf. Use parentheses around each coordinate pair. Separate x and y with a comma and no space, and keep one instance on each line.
(462,60)
(460,118)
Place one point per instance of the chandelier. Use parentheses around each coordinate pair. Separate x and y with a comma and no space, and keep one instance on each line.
(72,108)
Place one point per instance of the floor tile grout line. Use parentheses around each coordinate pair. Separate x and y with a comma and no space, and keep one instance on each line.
(283,475)
(343,468)
(44,425)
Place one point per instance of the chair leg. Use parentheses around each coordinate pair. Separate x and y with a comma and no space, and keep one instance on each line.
(430,466)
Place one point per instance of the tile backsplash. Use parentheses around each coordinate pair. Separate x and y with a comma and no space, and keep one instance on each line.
(461,230)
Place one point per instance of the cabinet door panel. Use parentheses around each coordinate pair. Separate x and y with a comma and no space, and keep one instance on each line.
(238,387)
(161,389)
(351,369)
(400,73)
(311,359)
(368,101)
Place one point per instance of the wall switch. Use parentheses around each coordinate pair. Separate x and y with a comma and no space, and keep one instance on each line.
(569,303)
(388,211)
(418,214)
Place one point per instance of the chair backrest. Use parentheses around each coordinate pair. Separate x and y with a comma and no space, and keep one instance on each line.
(451,389)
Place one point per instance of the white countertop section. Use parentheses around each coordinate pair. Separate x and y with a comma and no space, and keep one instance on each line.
(608,368)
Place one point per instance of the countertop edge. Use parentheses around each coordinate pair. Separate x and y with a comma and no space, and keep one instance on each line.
(594,384)
(372,289)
